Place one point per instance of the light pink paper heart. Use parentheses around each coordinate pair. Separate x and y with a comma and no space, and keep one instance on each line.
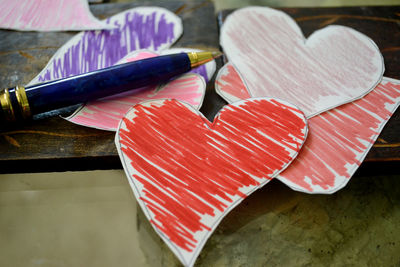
(335,65)
(188,173)
(106,113)
(48,15)
(338,140)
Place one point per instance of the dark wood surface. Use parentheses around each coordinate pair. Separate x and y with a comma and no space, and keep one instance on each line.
(52,144)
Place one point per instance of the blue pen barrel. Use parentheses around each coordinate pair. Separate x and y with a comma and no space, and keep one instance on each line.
(105,82)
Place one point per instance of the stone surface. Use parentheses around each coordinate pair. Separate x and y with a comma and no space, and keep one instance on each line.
(279,227)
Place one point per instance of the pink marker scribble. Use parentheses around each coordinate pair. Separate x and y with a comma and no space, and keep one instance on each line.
(335,65)
(185,169)
(48,15)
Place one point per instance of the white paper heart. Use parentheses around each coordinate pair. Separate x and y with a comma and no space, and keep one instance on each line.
(335,65)
(188,173)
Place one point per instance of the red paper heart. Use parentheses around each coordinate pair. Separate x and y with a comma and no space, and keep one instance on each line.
(187,173)
(338,140)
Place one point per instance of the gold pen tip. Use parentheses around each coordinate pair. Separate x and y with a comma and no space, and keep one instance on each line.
(216,54)
(200,58)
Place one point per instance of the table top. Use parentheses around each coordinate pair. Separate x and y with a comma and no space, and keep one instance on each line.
(51,143)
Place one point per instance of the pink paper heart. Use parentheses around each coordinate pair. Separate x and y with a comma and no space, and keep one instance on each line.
(335,65)
(106,113)
(188,173)
(338,140)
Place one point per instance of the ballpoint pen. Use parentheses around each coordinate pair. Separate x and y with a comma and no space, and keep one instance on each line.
(22,102)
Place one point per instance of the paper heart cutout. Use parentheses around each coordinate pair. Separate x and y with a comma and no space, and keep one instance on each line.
(48,15)
(151,28)
(335,65)
(188,173)
(338,140)
(106,113)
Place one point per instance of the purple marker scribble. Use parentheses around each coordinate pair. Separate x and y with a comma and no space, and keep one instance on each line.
(201,70)
(91,50)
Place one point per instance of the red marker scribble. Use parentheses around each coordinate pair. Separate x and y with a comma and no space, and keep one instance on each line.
(340,138)
(189,168)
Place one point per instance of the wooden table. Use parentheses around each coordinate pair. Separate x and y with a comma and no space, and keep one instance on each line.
(51,143)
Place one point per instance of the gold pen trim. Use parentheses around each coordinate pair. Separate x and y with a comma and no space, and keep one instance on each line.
(6,105)
(23,102)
